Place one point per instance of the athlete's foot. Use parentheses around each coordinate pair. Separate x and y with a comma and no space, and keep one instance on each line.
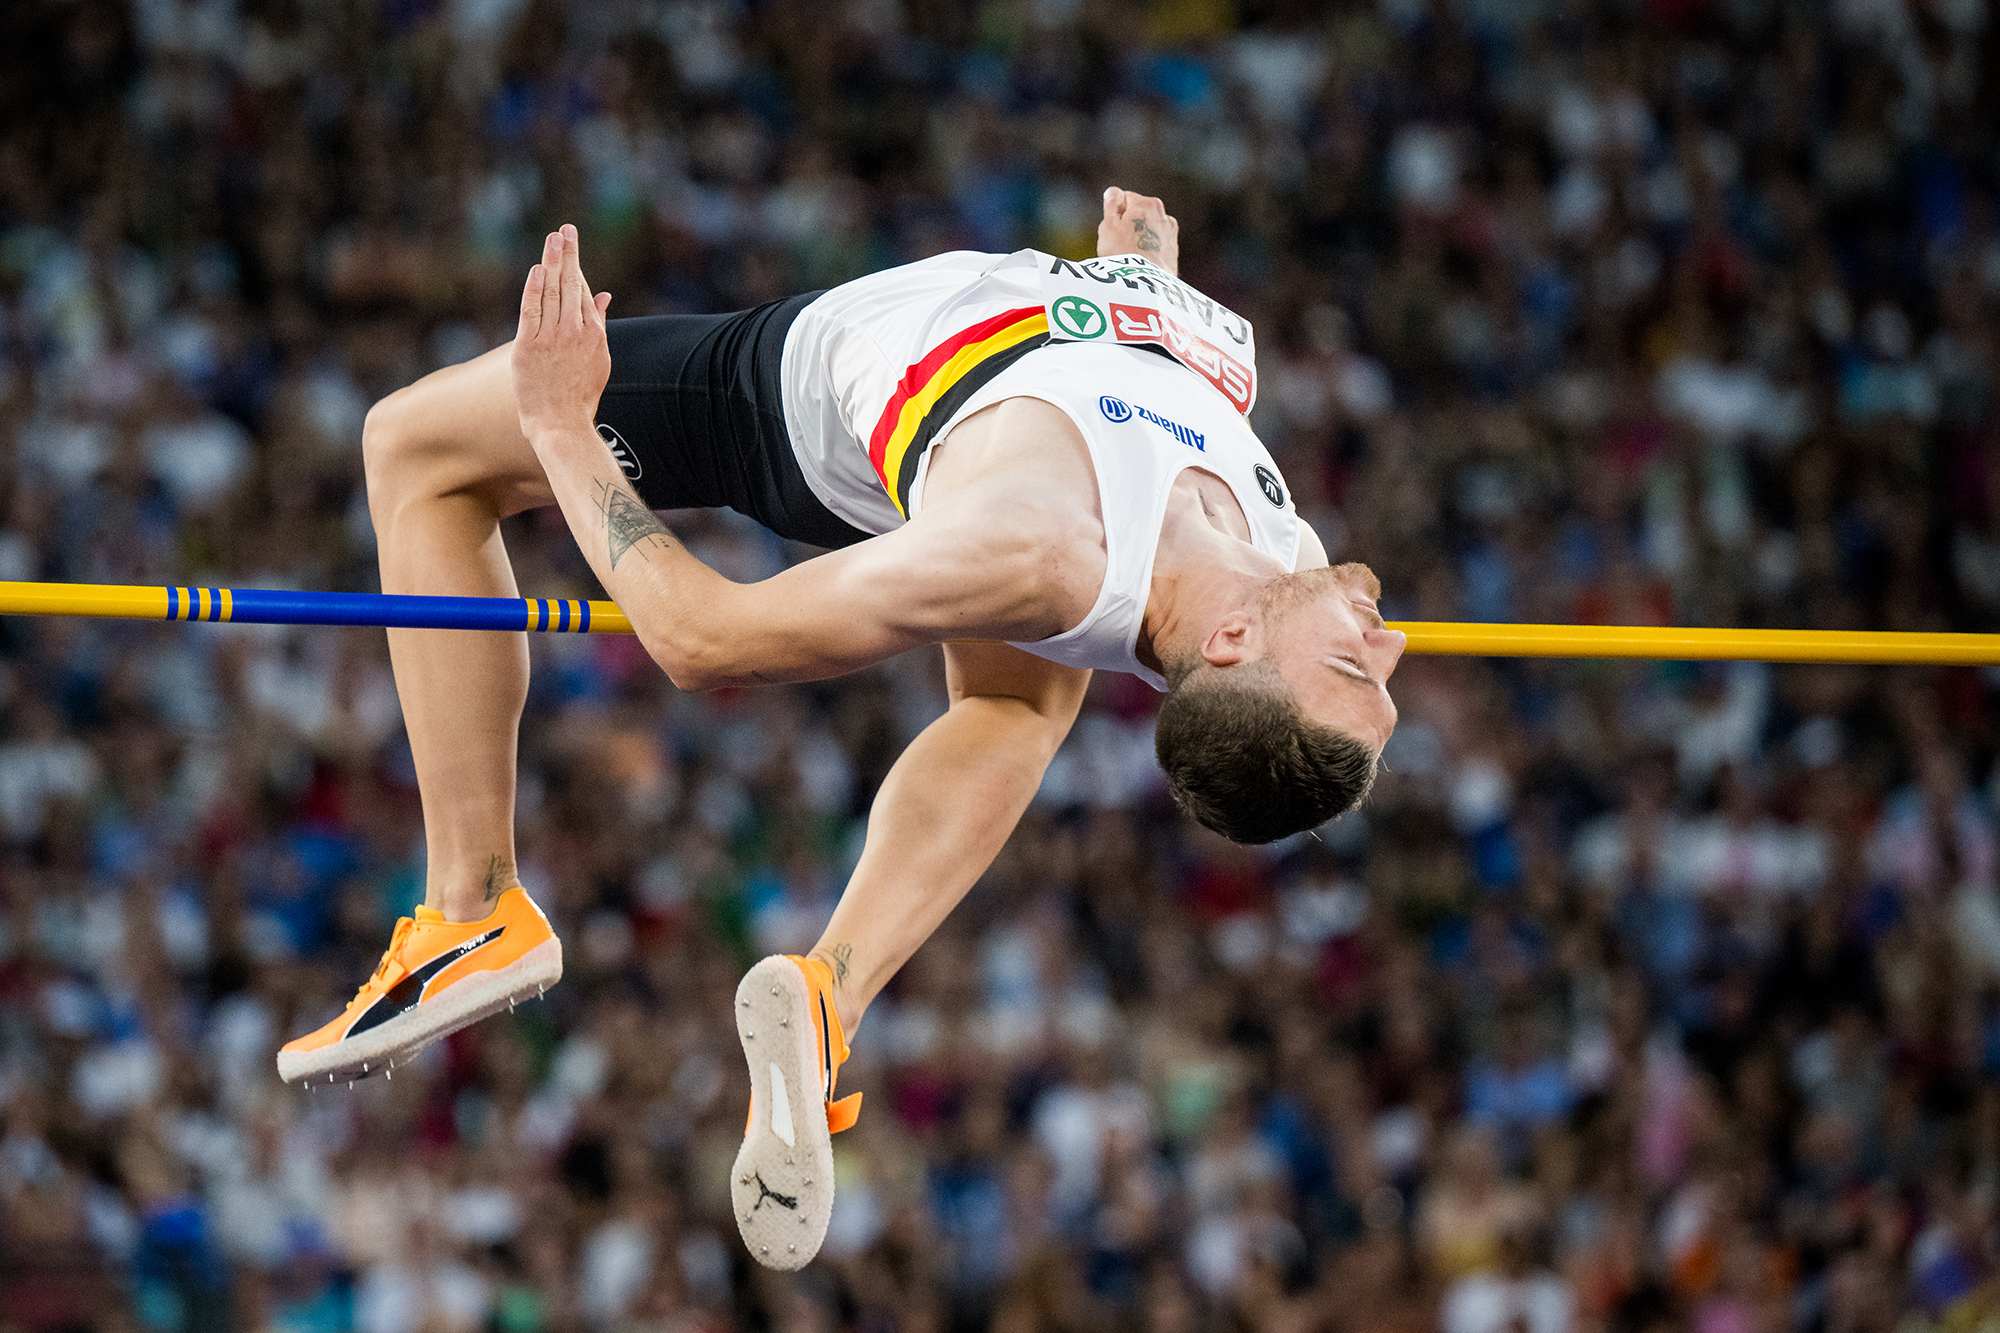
(782,1184)
(437,977)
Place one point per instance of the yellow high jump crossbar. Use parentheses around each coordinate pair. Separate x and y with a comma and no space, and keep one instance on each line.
(572,616)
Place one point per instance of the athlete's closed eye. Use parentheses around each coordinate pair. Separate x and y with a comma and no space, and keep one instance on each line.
(1349,665)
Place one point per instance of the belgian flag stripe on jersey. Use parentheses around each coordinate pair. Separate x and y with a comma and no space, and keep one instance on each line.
(937,386)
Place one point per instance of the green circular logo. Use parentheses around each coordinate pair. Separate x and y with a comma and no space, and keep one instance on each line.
(1079,318)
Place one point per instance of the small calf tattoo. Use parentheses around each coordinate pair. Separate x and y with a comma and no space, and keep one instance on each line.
(841,953)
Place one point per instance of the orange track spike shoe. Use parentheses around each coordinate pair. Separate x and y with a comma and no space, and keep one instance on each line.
(783,1181)
(437,977)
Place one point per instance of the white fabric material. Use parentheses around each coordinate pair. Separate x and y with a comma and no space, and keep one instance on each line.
(1146,421)
(846,352)
(1144,417)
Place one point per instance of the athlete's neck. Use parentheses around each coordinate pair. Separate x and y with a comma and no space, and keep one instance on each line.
(1202,573)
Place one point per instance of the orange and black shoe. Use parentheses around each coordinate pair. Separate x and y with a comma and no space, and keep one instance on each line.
(783,1181)
(437,977)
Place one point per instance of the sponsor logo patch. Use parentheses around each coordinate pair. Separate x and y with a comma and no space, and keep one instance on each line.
(628,462)
(1077,317)
(1267,481)
(1118,410)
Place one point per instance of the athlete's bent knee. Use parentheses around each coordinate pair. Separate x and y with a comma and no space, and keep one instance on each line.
(391,450)
(383,436)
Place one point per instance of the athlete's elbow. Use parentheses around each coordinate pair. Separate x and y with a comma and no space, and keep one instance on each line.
(691,663)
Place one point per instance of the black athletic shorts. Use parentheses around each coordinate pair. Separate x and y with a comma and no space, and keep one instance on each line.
(695,415)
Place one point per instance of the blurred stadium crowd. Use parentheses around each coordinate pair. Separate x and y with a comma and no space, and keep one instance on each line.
(1639,997)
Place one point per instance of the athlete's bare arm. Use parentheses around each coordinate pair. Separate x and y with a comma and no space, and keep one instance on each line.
(946,808)
(975,568)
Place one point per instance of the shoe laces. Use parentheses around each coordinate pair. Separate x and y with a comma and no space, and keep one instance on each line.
(403,928)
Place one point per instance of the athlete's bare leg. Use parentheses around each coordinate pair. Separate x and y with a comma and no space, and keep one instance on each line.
(446,462)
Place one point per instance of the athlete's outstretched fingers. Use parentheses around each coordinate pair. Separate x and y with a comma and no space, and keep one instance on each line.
(552,282)
(531,303)
(573,296)
(589,307)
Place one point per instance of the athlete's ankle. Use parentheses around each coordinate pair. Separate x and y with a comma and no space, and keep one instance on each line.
(468,903)
(469,892)
(848,1006)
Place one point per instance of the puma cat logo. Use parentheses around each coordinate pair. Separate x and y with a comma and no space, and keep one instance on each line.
(764,1192)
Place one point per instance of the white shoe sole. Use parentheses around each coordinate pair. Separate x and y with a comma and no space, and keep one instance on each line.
(377,1050)
(782,1184)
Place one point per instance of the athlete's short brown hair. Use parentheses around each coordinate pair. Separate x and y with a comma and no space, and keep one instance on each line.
(1241,759)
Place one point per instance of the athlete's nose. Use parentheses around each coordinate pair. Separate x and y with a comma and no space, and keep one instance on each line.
(1385,650)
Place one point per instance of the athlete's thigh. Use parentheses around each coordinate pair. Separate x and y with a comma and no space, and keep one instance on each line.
(458,430)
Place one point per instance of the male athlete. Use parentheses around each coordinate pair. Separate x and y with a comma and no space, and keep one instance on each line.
(1043,466)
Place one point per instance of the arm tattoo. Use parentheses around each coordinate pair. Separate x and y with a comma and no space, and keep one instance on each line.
(498,871)
(841,953)
(1144,236)
(627,523)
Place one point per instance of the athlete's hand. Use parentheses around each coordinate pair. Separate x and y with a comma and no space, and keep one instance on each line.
(1138,224)
(561,356)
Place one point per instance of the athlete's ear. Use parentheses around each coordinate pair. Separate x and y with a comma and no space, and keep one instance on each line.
(1233,642)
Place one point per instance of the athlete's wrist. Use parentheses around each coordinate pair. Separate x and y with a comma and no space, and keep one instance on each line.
(556,434)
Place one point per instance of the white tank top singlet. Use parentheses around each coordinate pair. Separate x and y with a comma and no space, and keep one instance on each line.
(877,370)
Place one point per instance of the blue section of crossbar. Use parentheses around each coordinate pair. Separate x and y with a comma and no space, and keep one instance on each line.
(262,606)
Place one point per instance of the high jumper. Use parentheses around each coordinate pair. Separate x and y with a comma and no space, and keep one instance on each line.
(1044,466)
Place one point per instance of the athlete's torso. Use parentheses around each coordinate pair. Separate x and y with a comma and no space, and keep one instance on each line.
(880,369)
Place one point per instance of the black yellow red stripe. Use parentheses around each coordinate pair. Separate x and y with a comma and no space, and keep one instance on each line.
(937,386)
